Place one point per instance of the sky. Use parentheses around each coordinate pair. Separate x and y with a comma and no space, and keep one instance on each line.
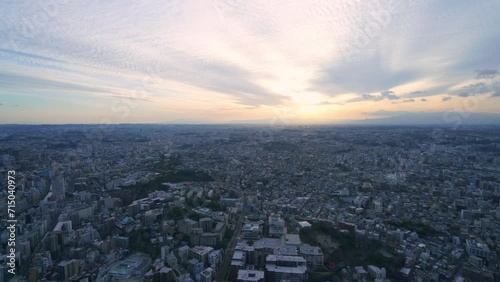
(216,61)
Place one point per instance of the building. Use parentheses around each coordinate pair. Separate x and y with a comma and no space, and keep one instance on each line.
(195,267)
(313,255)
(136,264)
(238,262)
(209,239)
(171,260)
(183,253)
(67,268)
(477,249)
(250,231)
(280,268)
(59,188)
(376,273)
(215,258)
(206,224)
(276,226)
(360,273)
(186,225)
(250,276)
(164,251)
(201,253)
(207,275)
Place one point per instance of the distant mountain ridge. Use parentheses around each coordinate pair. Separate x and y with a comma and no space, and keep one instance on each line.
(428,118)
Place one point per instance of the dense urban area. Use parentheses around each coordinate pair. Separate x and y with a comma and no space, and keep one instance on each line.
(251,203)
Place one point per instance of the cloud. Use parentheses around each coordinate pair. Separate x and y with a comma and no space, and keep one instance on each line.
(488,73)
(385,95)
(389,95)
(496,94)
(367,76)
(449,119)
(415,94)
(27,55)
(384,113)
(250,54)
(409,101)
(20,82)
(325,103)
(214,75)
(131,98)
(474,89)
(423,100)
(445,99)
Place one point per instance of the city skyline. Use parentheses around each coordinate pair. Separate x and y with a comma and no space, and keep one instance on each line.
(236,61)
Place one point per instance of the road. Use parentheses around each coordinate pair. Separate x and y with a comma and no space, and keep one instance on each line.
(228,253)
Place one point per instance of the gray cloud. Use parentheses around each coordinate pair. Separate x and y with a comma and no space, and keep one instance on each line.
(409,101)
(229,79)
(385,95)
(445,99)
(487,73)
(384,113)
(423,100)
(415,94)
(389,95)
(478,88)
(365,76)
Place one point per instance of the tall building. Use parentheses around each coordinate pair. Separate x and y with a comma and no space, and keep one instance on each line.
(276,226)
(206,224)
(164,251)
(67,268)
(186,225)
(59,188)
(207,275)
(4,275)
(171,260)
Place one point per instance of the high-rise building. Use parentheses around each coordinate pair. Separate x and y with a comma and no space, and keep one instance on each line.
(58,188)
(206,224)
(164,251)
(67,268)
(207,275)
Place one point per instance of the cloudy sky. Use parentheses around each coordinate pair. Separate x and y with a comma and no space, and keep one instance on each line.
(68,61)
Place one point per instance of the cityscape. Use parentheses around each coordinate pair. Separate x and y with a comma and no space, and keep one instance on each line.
(251,203)
(250,141)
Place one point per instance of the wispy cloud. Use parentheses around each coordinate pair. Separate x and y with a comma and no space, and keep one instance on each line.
(385,95)
(19,82)
(408,100)
(208,55)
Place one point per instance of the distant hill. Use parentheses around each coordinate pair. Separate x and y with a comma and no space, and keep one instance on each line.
(452,119)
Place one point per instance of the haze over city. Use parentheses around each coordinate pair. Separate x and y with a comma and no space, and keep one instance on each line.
(249,61)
